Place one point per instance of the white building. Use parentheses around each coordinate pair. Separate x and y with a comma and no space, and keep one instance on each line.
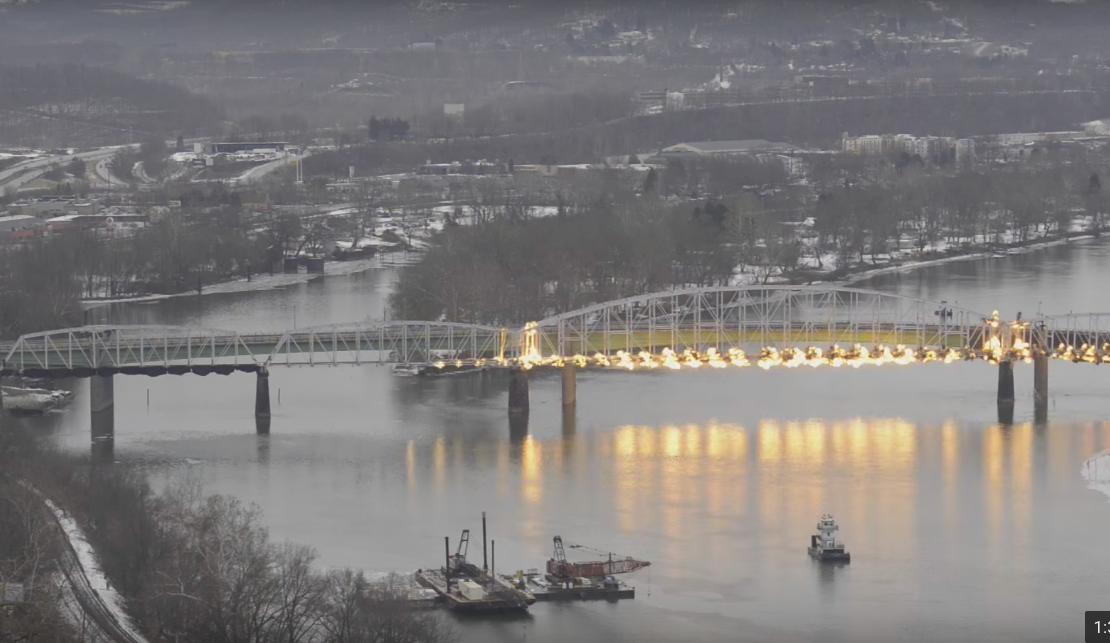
(870,144)
(965,151)
(743,147)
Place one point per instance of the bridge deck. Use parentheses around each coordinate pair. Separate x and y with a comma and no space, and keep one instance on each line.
(749,318)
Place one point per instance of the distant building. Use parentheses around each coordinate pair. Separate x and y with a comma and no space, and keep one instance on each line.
(52,206)
(1100,127)
(793,166)
(870,144)
(763,151)
(822,84)
(480,168)
(439,169)
(454,110)
(111,224)
(929,148)
(652,100)
(16,226)
(526,85)
(965,151)
(233,147)
(727,148)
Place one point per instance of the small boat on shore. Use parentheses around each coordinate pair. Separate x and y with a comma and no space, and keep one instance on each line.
(406,370)
(32,401)
(823,545)
(439,369)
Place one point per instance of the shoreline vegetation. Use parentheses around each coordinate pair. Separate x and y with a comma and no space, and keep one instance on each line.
(417,288)
(906,262)
(185,564)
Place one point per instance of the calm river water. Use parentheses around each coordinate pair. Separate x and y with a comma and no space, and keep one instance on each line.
(959,529)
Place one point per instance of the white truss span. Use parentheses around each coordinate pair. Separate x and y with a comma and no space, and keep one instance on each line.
(399,342)
(753,317)
(757,316)
(151,348)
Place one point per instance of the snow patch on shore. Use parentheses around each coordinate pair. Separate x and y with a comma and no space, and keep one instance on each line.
(256,283)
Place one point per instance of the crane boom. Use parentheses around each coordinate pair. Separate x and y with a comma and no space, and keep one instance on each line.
(559,567)
(464,545)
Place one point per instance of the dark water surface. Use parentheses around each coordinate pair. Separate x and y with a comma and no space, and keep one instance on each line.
(960,529)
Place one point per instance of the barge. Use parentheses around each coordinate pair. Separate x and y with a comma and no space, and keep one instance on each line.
(469,596)
(549,588)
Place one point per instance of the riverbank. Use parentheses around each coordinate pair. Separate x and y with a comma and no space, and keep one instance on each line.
(897,263)
(980,253)
(256,283)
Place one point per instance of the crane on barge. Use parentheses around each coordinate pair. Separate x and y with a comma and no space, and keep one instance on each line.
(565,571)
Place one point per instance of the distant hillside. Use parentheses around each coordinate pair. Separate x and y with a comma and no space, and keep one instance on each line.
(815,125)
(55,105)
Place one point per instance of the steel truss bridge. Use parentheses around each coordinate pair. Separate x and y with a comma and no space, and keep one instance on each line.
(788,325)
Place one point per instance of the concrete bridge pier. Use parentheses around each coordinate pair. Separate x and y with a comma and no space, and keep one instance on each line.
(570,387)
(1040,387)
(1006,392)
(570,422)
(518,392)
(102,407)
(262,402)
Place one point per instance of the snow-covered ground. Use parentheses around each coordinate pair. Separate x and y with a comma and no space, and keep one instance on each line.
(908,257)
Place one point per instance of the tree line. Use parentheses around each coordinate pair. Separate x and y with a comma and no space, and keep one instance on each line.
(510,267)
(42,281)
(514,268)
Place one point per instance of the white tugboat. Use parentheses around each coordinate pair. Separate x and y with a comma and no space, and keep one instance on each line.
(823,546)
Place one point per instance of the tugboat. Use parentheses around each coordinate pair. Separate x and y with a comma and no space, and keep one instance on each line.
(823,546)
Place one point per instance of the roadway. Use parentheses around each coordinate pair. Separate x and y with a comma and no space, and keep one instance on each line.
(15,177)
(98,171)
(101,178)
(258,172)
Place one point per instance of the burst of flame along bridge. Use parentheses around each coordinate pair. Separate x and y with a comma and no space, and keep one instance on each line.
(712,327)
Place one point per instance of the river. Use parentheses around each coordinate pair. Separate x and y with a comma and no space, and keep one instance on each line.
(960,529)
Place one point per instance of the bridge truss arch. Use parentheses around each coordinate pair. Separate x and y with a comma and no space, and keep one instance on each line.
(755,317)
